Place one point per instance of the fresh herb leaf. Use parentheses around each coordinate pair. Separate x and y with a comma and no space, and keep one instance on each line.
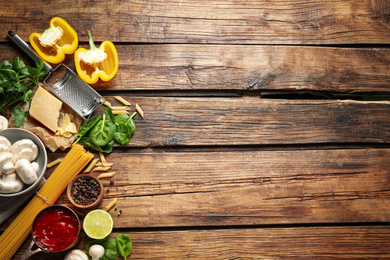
(15,79)
(19,116)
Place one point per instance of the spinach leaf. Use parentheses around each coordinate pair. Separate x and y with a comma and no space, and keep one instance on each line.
(86,126)
(124,245)
(121,118)
(109,115)
(101,134)
(130,123)
(110,247)
(125,127)
(105,149)
(122,134)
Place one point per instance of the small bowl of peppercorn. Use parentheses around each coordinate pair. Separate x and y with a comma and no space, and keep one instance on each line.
(85,191)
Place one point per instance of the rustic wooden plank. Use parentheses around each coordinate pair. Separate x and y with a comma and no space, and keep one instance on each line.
(171,121)
(217,21)
(247,68)
(257,243)
(157,188)
(244,68)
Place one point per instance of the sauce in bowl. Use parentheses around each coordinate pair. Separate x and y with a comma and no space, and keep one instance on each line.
(56,228)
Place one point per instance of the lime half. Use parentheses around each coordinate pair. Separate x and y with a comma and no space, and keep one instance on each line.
(98,224)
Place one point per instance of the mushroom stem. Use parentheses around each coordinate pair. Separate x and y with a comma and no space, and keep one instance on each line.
(10,183)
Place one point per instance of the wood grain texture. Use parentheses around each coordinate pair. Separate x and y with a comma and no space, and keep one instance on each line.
(270,243)
(176,121)
(244,68)
(157,188)
(217,21)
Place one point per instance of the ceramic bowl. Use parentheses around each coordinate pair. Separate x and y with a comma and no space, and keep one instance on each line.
(15,134)
(89,206)
(53,218)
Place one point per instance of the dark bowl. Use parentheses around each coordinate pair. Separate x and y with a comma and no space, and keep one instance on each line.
(57,208)
(89,206)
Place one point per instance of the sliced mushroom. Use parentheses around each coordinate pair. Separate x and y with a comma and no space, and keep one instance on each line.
(24,149)
(26,171)
(7,161)
(10,183)
(3,123)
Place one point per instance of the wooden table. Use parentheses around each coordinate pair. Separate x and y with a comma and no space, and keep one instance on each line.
(266,129)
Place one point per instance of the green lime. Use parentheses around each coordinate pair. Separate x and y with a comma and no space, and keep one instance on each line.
(98,224)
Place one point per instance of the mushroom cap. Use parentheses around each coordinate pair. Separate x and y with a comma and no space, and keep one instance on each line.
(6,157)
(5,141)
(76,254)
(25,171)
(24,149)
(96,251)
(3,122)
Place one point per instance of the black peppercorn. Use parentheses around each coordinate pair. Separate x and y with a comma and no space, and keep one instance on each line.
(85,191)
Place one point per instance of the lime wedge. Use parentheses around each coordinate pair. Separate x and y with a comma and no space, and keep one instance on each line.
(98,224)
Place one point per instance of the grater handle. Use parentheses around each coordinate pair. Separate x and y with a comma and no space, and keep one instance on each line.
(26,49)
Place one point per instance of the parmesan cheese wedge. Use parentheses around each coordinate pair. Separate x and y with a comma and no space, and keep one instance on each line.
(45,108)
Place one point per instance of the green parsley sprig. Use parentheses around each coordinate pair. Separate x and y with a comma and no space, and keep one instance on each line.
(15,82)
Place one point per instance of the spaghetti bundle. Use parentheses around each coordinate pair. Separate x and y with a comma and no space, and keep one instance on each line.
(14,236)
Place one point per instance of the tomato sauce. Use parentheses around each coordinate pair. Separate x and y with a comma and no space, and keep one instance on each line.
(55,229)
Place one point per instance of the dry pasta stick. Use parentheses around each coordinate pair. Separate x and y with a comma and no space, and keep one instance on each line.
(106,175)
(117,112)
(139,110)
(102,168)
(90,166)
(106,164)
(120,108)
(106,103)
(102,158)
(55,162)
(14,236)
(122,100)
(109,205)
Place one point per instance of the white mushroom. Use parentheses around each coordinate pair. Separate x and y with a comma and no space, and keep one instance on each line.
(3,122)
(25,171)
(96,251)
(35,166)
(24,149)
(7,161)
(76,254)
(5,144)
(10,183)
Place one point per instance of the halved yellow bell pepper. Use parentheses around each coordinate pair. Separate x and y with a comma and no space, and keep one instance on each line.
(96,62)
(59,39)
